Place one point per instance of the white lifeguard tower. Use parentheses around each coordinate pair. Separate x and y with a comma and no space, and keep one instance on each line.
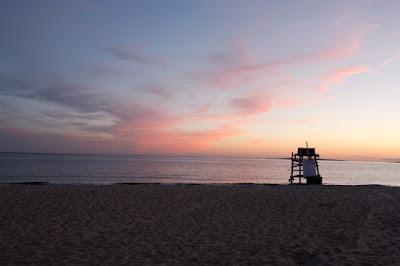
(305,165)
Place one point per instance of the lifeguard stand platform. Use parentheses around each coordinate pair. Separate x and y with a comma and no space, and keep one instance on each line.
(305,165)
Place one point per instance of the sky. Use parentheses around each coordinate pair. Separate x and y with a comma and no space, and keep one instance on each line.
(230,78)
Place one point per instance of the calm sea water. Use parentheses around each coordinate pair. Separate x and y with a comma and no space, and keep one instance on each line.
(108,169)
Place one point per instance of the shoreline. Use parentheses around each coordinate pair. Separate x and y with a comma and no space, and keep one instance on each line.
(45,183)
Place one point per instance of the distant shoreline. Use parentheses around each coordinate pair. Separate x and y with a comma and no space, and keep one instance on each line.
(319,159)
(188,156)
(138,155)
(160,155)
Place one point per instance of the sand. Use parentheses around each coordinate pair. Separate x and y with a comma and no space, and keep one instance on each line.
(199,224)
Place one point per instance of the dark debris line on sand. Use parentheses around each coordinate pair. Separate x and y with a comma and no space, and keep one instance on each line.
(179,224)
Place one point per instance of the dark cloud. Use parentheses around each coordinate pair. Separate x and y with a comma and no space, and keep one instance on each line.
(20,140)
(234,55)
(81,98)
(15,86)
(159,91)
(84,108)
(131,54)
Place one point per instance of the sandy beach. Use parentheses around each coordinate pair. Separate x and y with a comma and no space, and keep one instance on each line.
(199,224)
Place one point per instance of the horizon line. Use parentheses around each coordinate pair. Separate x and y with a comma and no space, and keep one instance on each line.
(188,155)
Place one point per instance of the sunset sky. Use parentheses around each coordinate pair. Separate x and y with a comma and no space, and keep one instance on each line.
(235,78)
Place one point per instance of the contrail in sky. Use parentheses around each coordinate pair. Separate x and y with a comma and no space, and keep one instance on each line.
(391,59)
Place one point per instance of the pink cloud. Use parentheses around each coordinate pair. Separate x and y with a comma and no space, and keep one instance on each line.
(250,105)
(243,71)
(246,77)
(182,141)
(154,129)
(235,110)
(339,75)
(139,118)
(343,49)
(160,134)
(321,88)
(250,72)
(289,102)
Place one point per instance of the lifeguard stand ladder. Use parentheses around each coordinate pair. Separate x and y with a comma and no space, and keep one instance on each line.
(305,165)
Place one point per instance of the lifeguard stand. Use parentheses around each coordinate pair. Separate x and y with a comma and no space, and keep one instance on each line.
(305,165)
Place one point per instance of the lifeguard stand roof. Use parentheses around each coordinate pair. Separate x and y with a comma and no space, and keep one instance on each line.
(306,151)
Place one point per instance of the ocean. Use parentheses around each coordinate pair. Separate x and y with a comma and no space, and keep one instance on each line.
(110,169)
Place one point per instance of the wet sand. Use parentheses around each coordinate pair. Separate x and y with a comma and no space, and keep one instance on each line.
(199,224)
